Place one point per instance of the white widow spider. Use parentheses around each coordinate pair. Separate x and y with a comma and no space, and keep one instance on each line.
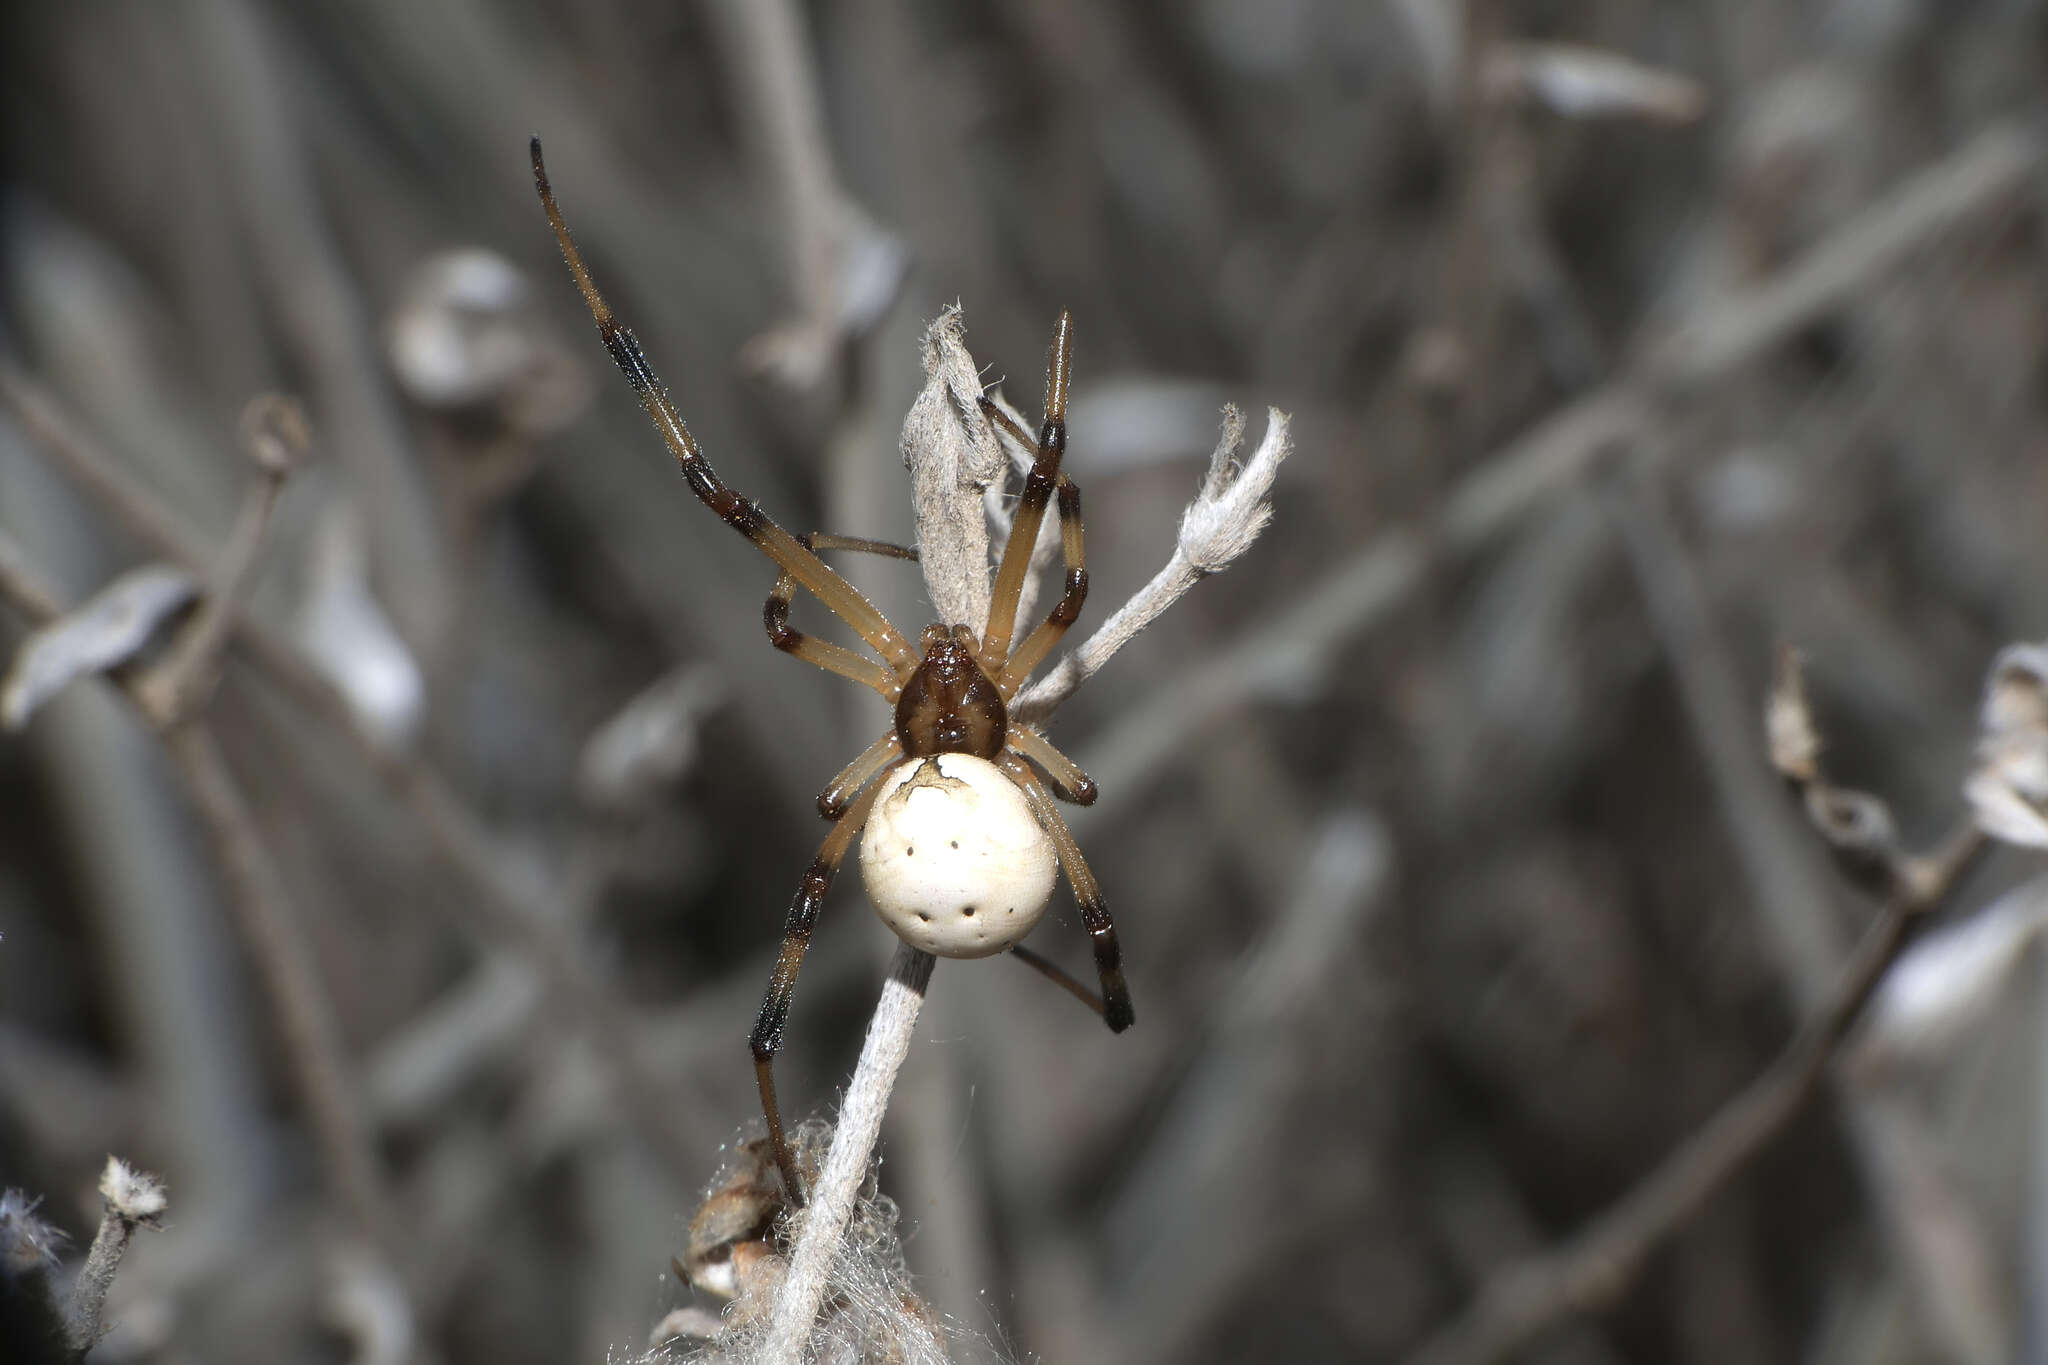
(955,772)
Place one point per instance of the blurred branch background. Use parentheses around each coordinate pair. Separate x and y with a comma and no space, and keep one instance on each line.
(1623,342)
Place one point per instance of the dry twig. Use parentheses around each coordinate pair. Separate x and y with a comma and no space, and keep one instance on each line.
(129,1199)
(1277,658)
(1597,1265)
(502,913)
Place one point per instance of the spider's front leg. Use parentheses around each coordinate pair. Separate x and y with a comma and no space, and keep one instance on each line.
(1038,491)
(795,558)
(1116,996)
(826,655)
(796,940)
(1067,610)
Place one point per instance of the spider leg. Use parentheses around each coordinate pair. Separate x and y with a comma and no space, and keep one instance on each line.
(1087,893)
(766,1040)
(833,801)
(1068,609)
(821,540)
(826,655)
(800,563)
(1038,486)
(1069,783)
(1060,977)
(1064,612)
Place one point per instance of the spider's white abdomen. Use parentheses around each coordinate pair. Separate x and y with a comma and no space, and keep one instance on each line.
(953,860)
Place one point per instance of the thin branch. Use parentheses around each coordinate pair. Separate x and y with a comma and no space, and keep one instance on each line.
(270,930)
(1596,1267)
(1366,588)
(1227,515)
(129,1199)
(500,913)
(1785,873)
(821,1231)
(277,437)
(768,51)
(319,305)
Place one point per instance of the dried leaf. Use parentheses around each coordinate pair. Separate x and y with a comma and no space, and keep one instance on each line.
(650,742)
(2009,789)
(1585,82)
(1788,721)
(1232,508)
(345,632)
(27,1243)
(1951,977)
(953,457)
(104,632)
(132,1194)
(464,337)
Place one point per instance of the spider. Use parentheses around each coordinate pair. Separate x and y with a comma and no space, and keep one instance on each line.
(955,776)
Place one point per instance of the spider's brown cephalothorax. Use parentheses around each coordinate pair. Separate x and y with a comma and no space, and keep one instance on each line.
(950,706)
(984,883)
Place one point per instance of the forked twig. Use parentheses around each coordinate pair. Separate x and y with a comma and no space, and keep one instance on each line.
(268,925)
(1595,1267)
(1367,587)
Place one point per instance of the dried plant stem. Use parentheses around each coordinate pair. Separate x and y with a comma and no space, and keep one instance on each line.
(769,50)
(269,929)
(822,1229)
(1596,1267)
(83,1316)
(500,913)
(175,684)
(1786,871)
(320,307)
(1366,588)
(128,1200)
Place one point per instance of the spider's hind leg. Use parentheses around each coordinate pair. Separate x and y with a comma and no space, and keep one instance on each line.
(1061,977)
(1116,996)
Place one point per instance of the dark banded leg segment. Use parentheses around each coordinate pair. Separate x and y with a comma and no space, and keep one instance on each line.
(1064,612)
(833,801)
(1116,996)
(797,560)
(1038,488)
(796,941)
(1068,609)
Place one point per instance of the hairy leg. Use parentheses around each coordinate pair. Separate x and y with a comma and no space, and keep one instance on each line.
(766,1040)
(801,563)
(1116,996)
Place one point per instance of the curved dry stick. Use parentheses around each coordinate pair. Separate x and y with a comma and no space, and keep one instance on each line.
(1595,1267)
